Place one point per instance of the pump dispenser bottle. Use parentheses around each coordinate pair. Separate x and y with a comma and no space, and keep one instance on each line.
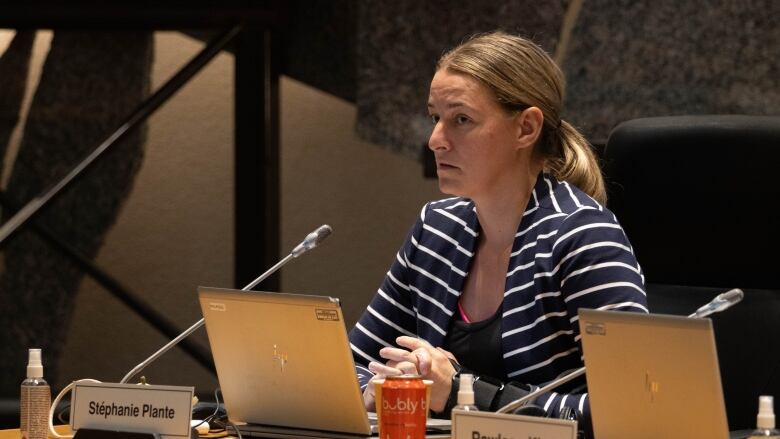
(765,421)
(35,400)
(466,394)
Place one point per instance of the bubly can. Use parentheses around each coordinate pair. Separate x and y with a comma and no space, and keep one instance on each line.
(404,409)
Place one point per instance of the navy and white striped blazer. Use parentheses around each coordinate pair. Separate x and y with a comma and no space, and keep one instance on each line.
(569,253)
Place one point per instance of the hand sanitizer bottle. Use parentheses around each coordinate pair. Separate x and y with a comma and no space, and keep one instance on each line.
(765,421)
(466,394)
(35,400)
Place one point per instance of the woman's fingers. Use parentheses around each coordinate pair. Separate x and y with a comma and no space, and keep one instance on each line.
(422,352)
(419,357)
(424,360)
(379,368)
(395,354)
(407,367)
(369,394)
(412,343)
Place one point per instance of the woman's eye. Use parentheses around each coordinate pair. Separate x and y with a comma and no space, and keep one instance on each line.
(434,119)
(460,120)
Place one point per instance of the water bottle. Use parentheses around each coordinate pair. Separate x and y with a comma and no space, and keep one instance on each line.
(35,400)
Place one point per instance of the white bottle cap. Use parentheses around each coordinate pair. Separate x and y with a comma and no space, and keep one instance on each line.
(766,412)
(466,389)
(34,365)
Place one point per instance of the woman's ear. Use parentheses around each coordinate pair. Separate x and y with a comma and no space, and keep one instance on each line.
(529,124)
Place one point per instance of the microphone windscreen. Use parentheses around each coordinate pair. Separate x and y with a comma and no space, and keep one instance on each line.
(322,232)
(732,296)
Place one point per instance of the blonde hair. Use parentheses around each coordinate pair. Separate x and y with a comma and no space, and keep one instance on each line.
(522,75)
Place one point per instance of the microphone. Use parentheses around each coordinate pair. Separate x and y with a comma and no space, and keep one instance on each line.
(720,303)
(311,241)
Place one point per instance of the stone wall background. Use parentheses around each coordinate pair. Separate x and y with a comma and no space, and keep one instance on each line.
(399,44)
(630,59)
(625,59)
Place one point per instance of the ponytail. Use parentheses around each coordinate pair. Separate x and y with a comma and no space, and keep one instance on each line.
(575,162)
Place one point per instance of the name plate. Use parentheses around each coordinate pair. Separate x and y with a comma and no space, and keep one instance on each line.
(165,410)
(486,425)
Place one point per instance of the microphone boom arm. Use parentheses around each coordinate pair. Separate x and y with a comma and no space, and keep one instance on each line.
(312,240)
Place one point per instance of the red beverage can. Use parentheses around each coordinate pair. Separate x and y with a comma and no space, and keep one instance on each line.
(404,408)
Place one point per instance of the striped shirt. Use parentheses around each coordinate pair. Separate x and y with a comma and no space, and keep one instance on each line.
(569,252)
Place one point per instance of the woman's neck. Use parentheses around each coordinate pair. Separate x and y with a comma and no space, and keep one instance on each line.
(500,213)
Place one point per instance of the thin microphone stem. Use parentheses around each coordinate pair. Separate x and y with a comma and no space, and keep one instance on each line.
(559,382)
(162,350)
(141,366)
(270,271)
(311,241)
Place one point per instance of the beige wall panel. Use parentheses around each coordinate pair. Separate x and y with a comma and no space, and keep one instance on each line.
(369,196)
(175,231)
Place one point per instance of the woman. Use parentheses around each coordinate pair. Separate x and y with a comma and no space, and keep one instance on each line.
(491,280)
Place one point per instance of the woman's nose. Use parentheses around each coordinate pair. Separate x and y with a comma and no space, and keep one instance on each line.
(438,140)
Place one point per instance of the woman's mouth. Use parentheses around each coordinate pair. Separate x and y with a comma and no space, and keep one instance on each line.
(445,166)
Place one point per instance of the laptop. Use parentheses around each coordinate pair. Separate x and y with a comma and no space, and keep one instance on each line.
(284,364)
(652,376)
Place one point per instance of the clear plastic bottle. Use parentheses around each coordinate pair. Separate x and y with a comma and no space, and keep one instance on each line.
(466,394)
(35,400)
(765,421)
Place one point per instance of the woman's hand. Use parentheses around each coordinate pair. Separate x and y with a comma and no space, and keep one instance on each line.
(369,395)
(381,371)
(421,358)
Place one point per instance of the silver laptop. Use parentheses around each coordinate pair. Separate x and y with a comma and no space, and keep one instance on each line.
(652,376)
(284,364)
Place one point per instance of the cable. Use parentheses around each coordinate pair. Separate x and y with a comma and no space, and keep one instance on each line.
(61,414)
(235,428)
(56,401)
(216,410)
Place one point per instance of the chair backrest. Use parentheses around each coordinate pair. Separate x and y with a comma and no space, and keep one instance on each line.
(697,196)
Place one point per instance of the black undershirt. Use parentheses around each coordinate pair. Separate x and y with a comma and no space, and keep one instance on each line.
(477,345)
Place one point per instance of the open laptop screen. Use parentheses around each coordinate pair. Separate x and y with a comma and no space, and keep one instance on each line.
(652,376)
(283,360)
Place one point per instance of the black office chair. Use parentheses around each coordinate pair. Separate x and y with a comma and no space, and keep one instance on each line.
(698,197)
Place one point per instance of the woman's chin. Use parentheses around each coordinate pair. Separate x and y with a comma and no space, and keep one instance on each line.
(450,187)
